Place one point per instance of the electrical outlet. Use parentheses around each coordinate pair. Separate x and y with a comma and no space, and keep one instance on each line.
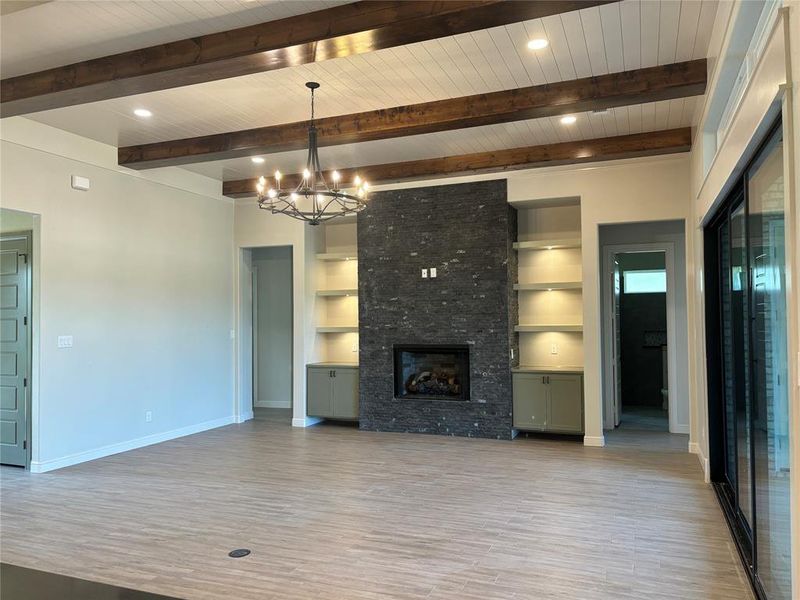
(553,348)
(424,273)
(148,416)
(355,346)
(433,271)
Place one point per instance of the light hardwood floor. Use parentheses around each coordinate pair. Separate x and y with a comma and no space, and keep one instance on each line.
(333,512)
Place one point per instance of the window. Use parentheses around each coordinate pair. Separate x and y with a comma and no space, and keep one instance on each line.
(651,281)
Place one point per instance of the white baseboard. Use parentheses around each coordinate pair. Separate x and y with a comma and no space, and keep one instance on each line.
(596,441)
(684,429)
(245,416)
(273,404)
(148,440)
(306,421)
(695,448)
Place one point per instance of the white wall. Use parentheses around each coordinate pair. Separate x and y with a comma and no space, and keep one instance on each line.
(140,272)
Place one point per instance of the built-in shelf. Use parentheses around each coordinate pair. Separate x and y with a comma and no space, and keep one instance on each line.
(347,292)
(548,244)
(338,256)
(546,369)
(538,328)
(550,285)
(338,329)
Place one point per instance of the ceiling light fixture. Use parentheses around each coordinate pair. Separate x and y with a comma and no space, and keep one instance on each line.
(312,200)
(259,160)
(568,119)
(537,44)
(142,112)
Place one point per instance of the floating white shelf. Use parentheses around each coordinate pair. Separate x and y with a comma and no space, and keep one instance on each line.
(338,256)
(539,328)
(550,285)
(338,329)
(548,244)
(348,292)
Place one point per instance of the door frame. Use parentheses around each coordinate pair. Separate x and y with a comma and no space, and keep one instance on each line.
(607,290)
(28,401)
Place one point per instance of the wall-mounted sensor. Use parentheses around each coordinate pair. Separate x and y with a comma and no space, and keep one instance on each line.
(80,183)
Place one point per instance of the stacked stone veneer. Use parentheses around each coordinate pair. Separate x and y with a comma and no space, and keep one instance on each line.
(466,232)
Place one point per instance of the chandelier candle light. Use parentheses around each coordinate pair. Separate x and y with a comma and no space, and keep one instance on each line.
(313,200)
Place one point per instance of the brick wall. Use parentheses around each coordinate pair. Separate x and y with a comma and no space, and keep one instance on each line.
(465,231)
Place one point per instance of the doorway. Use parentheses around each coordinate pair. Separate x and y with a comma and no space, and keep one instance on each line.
(652,258)
(640,341)
(272,332)
(15,348)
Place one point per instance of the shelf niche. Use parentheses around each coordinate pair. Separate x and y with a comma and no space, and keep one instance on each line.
(550,283)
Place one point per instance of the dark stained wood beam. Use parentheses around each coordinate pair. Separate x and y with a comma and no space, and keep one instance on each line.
(592,93)
(624,146)
(344,30)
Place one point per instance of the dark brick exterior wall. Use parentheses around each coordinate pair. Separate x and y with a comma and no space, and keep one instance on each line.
(466,232)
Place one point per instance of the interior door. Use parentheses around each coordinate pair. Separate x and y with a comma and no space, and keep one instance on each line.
(14,351)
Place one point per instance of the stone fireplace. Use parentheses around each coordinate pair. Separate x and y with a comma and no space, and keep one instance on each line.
(435,352)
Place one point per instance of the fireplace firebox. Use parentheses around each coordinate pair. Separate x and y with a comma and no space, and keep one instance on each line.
(430,372)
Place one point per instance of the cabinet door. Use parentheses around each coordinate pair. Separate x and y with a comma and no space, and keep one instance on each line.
(345,393)
(530,401)
(565,403)
(319,392)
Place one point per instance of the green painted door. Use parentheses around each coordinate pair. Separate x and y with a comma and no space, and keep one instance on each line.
(565,403)
(14,352)
(319,393)
(530,401)
(345,393)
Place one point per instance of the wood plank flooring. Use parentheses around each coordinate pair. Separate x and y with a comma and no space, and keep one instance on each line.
(333,512)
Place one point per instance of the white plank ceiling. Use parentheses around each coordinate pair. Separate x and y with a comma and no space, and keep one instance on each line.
(62,32)
(627,35)
(639,118)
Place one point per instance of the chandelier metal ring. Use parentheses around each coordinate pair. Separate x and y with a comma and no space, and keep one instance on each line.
(312,199)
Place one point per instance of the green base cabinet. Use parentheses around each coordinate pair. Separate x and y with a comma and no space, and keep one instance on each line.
(548,401)
(332,392)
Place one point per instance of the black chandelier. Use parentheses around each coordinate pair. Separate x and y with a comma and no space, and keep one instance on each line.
(312,200)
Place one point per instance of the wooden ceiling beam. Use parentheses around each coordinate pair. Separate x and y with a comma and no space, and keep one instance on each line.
(344,30)
(592,93)
(612,148)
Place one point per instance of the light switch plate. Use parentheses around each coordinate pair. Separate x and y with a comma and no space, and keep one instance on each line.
(65,341)
(424,273)
(433,271)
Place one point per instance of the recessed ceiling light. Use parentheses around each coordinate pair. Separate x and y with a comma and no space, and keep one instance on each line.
(257,159)
(142,112)
(568,119)
(537,44)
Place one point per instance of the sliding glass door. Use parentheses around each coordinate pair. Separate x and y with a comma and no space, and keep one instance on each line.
(748,387)
(765,201)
